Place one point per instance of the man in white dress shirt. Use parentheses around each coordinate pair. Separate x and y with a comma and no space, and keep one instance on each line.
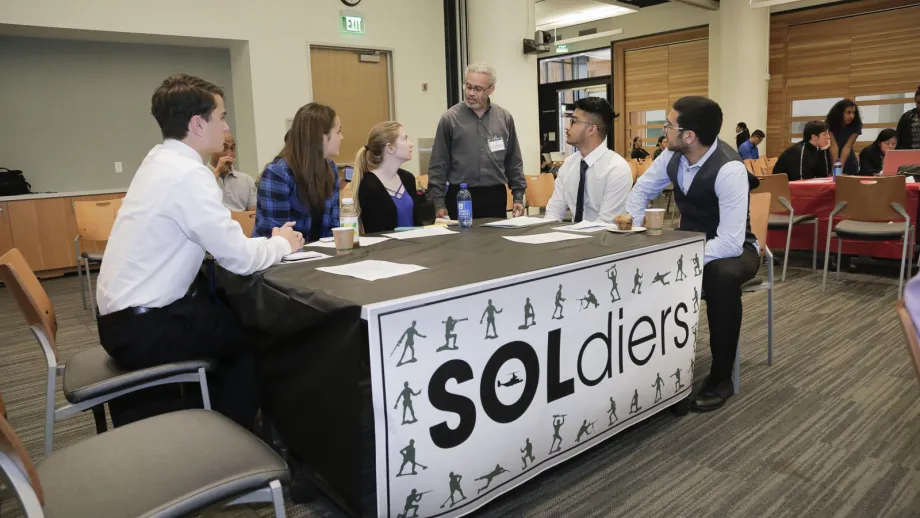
(594,182)
(717,205)
(239,189)
(153,310)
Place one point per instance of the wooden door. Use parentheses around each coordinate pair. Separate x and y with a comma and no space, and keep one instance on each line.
(58,228)
(25,231)
(6,233)
(358,91)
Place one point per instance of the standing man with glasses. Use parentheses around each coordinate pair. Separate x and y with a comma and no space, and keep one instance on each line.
(476,144)
(593,183)
(717,205)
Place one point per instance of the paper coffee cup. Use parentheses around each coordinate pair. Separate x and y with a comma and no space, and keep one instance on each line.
(654,221)
(344,238)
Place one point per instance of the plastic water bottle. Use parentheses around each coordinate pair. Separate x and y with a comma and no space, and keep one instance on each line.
(349,218)
(838,169)
(464,207)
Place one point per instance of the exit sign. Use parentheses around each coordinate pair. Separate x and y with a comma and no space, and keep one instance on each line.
(562,48)
(353,23)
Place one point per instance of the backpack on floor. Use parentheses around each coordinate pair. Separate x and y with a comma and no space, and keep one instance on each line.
(13,183)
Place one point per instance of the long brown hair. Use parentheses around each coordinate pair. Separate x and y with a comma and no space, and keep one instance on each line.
(303,153)
(370,156)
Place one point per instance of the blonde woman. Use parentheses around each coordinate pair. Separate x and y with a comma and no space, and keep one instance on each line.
(387,195)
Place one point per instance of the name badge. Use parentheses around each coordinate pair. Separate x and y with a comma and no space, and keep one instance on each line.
(496,144)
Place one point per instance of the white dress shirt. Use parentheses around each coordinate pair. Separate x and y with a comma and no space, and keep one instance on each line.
(731,187)
(606,186)
(171,214)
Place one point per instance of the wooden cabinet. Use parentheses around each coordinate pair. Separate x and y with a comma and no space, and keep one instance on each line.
(6,233)
(44,231)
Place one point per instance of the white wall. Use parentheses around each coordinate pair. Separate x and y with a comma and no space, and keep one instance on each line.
(497,30)
(71,109)
(269,55)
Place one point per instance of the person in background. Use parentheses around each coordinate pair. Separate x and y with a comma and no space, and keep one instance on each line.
(909,126)
(638,152)
(594,182)
(741,134)
(300,185)
(808,158)
(845,125)
(748,150)
(662,145)
(711,188)
(386,195)
(872,157)
(239,189)
(155,307)
(476,144)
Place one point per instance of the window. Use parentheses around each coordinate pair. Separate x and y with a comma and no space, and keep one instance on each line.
(816,108)
(594,63)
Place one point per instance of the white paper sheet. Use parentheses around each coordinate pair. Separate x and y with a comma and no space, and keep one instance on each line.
(422,232)
(523,221)
(303,255)
(539,239)
(586,226)
(365,241)
(372,270)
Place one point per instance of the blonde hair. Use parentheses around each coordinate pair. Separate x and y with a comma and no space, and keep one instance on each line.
(370,156)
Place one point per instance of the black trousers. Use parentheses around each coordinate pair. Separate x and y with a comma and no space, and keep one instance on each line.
(192,328)
(722,281)
(488,202)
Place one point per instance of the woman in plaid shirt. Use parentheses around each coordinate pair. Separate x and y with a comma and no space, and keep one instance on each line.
(301,185)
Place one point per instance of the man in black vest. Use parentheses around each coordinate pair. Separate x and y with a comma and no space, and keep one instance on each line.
(712,192)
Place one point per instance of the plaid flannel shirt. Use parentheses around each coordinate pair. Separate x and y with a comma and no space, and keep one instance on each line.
(278,203)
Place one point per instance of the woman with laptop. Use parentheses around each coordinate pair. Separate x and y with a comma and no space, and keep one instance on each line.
(873,156)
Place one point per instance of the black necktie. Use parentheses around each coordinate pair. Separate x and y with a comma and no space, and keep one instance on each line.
(580,199)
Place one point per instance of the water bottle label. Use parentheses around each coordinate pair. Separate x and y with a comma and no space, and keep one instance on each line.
(353,223)
(464,210)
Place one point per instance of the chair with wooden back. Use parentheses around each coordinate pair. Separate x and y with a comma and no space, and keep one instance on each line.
(872,210)
(642,166)
(422,181)
(539,190)
(91,377)
(770,164)
(783,216)
(95,220)
(910,335)
(760,217)
(169,465)
(634,169)
(246,219)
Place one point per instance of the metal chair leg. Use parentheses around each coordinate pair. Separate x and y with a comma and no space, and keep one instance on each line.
(904,259)
(205,394)
(786,251)
(827,257)
(76,250)
(839,248)
(99,417)
(814,250)
(277,498)
(770,309)
(49,410)
(89,281)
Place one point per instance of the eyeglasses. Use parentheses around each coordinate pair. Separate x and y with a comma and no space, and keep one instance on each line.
(573,121)
(477,89)
(667,126)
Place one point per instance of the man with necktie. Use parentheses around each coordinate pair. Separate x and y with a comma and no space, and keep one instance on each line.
(593,183)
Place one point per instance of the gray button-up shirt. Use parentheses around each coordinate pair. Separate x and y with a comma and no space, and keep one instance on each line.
(461,152)
(239,190)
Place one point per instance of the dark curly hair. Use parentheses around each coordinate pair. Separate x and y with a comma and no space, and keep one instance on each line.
(835,116)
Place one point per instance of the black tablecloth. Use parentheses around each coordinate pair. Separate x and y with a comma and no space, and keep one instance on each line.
(314,338)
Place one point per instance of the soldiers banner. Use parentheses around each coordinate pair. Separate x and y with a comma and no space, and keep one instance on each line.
(480,388)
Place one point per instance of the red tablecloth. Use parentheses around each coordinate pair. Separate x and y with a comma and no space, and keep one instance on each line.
(817,197)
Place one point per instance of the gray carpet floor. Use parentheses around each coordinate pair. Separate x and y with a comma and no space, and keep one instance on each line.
(831,429)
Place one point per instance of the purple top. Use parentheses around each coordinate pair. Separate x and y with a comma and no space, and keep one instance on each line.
(404,207)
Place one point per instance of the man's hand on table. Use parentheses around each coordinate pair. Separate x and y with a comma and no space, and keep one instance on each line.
(518,210)
(441,213)
(292,236)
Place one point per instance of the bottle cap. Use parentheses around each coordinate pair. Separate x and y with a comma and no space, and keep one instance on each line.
(463,186)
(348,201)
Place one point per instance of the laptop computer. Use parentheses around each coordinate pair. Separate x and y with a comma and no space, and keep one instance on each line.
(895,158)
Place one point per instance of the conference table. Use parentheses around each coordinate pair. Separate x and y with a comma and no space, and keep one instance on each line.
(817,197)
(495,362)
